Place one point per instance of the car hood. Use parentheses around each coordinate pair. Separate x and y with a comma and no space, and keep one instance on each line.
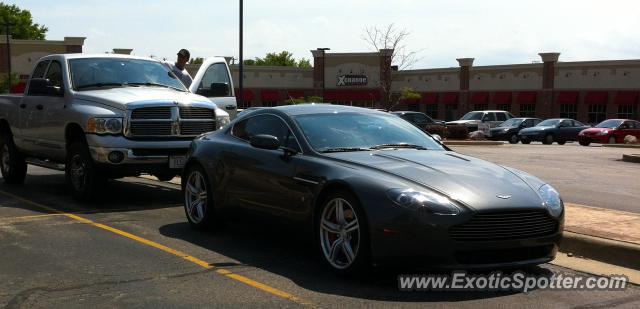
(472,181)
(590,131)
(502,128)
(537,129)
(464,122)
(123,96)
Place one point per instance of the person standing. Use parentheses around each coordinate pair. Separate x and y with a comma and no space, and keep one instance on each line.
(178,68)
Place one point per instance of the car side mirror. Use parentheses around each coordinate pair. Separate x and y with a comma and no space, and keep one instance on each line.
(264,141)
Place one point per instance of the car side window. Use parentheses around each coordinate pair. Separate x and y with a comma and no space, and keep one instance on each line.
(38,72)
(536,122)
(528,123)
(626,125)
(565,123)
(215,73)
(489,117)
(265,124)
(501,116)
(54,74)
(421,119)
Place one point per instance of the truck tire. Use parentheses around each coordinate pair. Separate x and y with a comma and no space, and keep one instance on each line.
(83,179)
(13,166)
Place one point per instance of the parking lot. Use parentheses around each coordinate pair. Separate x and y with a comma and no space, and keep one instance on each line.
(135,248)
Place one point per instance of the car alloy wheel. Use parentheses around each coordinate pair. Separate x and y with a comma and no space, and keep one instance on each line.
(340,233)
(195,197)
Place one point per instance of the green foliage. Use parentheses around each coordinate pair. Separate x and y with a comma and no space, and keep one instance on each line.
(197,60)
(22,26)
(315,99)
(282,59)
(293,101)
(4,85)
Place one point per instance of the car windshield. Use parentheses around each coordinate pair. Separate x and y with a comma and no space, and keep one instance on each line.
(610,124)
(356,131)
(549,123)
(472,116)
(92,73)
(513,122)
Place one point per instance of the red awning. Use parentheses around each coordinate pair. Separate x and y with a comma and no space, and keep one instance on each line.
(626,97)
(248,94)
(526,97)
(567,97)
(295,94)
(429,98)
(351,95)
(449,98)
(269,96)
(596,97)
(479,97)
(502,98)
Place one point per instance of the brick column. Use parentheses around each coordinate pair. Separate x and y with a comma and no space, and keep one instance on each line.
(463,98)
(74,44)
(546,110)
(385,74)
(318,69)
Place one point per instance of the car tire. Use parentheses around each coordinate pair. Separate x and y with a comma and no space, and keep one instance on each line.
(198,198)
(583,143)
(343,242)
(82,176)
(12,164)
(548,139)
(525,141)
(562,142)
(612,139)
(513,139)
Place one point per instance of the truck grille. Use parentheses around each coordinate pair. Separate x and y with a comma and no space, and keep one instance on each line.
(168,121)
(505,226)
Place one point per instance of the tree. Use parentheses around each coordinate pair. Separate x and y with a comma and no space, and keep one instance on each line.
(390,37)
(407,93)
(282,59)
(22,26)
(197,60)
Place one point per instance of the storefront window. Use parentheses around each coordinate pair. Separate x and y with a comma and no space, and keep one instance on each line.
(569,111)
(597,113)
(527,110)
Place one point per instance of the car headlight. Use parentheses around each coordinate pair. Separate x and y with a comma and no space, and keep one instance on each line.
(605,132)
(551,199)
(423,201)
(104,125)
(222,121)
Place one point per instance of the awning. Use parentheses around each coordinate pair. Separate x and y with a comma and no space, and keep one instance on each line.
(295,94)
(429,98)
(449,98)
(248,94)
(351,95)
(269,96)
(596,97)
(411,101)
(502,98)
(526,97)
(567,97)
(479,98)
(626,97)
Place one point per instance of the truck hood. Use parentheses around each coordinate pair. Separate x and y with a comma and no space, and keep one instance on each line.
(121,97)
(472,181)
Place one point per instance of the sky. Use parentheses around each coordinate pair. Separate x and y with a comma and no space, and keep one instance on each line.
(493,32)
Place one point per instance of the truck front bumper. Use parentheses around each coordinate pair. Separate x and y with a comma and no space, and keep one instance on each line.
(118,150)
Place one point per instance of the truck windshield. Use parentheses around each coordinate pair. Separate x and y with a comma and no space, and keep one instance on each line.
(92,73)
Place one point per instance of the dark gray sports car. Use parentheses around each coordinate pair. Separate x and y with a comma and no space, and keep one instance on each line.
(371,188)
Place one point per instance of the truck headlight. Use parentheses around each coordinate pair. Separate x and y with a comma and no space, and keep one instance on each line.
(423,201)
(551,199)
(222,121)
(104,125)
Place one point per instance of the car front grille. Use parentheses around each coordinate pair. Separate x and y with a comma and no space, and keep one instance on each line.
(505,226)
(170,121)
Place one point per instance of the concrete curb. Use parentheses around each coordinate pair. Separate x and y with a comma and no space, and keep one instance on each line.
(473,143)
(621,145)
(634,158)
(614,252)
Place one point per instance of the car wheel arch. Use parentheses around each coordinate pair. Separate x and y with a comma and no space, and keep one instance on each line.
(74,133)
(5,127)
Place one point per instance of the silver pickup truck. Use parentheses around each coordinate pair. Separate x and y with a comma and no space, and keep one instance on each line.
(98,117)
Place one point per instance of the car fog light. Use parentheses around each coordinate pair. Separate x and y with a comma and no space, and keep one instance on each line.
(115,157)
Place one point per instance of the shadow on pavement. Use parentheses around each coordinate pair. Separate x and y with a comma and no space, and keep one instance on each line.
(289,253)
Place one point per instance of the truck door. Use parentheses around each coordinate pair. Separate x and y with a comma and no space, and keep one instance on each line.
(25,137)
(216,73)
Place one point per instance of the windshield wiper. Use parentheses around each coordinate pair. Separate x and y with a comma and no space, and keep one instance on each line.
(382,146)
(155,85)
(100,85)
(344,149)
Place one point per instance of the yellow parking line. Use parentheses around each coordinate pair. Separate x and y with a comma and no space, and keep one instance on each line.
(199,262)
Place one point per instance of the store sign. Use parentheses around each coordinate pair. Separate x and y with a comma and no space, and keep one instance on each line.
(352,80)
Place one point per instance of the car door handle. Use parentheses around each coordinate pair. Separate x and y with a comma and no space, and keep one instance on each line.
(23,105)
(39,107)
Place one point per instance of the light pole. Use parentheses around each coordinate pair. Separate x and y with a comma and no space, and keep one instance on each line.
(323,49)
(240,71)
(7,26)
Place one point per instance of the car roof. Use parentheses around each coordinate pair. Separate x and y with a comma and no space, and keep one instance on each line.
(321,108)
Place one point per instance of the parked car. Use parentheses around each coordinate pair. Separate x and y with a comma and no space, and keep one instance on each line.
(105,116)
(420,120)
(371,188)
(472,119)
(560,130)
(610,131)
(508,130)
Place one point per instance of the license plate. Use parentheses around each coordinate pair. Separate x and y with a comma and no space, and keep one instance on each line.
(177,161)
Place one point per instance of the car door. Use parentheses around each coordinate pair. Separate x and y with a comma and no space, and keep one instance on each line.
(49,123)
(564,129)
(264,180)
(216,73)
(25,137)
(490,119)
(626,128)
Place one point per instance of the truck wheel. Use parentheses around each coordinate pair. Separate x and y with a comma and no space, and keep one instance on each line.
(13,167)
(81,174)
